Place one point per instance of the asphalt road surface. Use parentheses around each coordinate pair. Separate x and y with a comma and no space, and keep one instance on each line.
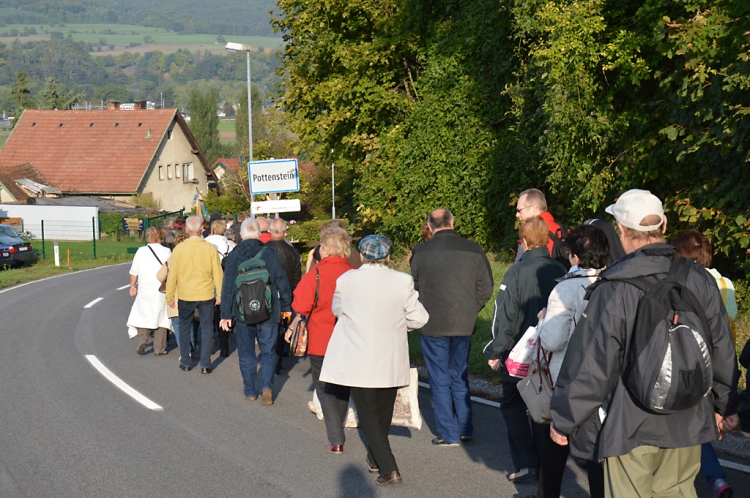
(67,431)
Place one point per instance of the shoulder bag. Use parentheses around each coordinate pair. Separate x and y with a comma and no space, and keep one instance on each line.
(298,341)
(537,387)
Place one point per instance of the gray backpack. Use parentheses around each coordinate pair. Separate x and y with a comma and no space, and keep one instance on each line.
(668,366)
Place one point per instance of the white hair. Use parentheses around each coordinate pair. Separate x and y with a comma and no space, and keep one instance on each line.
(278,226)
(193,224)
(250,229)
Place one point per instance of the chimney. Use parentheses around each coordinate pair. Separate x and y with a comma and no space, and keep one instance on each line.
(139,105)
(113,106)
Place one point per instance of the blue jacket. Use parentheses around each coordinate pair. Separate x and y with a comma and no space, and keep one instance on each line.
(282,295)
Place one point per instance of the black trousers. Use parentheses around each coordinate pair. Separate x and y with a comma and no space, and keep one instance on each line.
(554,459)
(223,335)
(334,400)
(525,437)
(375,411)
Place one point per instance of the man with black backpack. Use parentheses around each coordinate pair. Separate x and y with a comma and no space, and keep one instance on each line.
(255,294)
(651,372)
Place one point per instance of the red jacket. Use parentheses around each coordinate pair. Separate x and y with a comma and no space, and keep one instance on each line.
(320,324)
(265,236)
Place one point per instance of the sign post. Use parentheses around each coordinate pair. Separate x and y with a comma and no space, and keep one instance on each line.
(273,177)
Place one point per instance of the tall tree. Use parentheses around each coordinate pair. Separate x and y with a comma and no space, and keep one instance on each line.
(54,97)
(240,122)
(20,93)
(204,121)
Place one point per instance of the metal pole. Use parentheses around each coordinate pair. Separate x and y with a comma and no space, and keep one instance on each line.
(250,122)
(93,231)
(44,254)
(333,190)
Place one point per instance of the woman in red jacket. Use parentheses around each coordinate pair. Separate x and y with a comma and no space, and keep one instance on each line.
(321,280)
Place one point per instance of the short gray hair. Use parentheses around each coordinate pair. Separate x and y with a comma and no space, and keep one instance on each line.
(262,223)
(193,224)
(535,197)
(278,226)
(250,229)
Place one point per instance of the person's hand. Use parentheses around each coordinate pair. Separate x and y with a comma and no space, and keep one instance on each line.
(290,329)
(286,316)
(218,301)
(541,313)
(726,424)
(133,291)
(494,364)
(171,303)
(746,435)
(225,324)
(557,437)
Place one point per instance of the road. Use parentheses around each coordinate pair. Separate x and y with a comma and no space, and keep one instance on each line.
(67,431)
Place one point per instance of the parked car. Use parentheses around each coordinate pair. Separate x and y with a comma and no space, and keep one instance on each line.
(19,251)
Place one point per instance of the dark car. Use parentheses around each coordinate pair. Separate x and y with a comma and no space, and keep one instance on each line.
(19,251)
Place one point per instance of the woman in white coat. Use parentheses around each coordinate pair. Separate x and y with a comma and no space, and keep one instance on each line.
(368,350)
(149,311)
(589,249)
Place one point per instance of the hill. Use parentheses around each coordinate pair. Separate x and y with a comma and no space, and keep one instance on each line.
(227,17)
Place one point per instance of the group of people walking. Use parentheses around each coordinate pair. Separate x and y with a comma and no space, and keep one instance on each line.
(580,290)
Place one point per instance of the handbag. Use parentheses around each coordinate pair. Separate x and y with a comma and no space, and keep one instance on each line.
(163,285)
(298,340)
(406,407)
(522,354)
(536,389)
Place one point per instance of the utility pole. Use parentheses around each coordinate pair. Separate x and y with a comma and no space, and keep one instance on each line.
(333,188)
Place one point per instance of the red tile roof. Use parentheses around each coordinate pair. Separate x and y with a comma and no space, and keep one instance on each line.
(9,175)
(87,152)
(230,163)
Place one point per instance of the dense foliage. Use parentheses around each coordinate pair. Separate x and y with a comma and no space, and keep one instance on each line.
(240,17)
(465,104)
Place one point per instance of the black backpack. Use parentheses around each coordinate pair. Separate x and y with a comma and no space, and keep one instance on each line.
(254,297)
(560,248)
(668,366)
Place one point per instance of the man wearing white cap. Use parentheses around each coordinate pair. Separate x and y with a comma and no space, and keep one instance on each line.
(646,452)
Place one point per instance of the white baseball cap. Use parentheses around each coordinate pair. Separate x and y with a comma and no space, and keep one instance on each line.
(633,206)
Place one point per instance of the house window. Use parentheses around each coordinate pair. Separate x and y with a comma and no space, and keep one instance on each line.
(169,171)
(187,173)
(176,170)
(169,134)
(161,172)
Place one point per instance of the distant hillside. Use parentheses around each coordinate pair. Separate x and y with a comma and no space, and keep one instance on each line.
(238,17)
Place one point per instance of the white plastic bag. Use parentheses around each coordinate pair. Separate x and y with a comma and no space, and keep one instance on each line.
(352,422)
(523,353)
(406,408)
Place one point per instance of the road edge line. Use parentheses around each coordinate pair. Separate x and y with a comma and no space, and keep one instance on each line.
(107,373)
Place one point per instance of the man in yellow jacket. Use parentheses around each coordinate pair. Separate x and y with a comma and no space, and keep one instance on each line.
(195,273)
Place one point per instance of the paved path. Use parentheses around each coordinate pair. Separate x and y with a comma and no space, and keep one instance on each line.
(67,431)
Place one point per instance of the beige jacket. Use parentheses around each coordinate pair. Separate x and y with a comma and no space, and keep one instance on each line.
(161,276)
(375,306)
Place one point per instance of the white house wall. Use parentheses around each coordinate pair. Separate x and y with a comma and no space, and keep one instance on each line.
(60,222)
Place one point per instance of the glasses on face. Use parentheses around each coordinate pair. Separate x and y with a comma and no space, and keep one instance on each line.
(518,211)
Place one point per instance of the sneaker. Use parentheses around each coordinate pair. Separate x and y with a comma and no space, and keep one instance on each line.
(141,349)
(266,397)
(721,489)
(524,474)
(438,441)
(249,398)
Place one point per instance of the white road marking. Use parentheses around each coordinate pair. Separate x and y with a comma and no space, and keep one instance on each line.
(93,302)
(107,373)
(123,287)
(58,276)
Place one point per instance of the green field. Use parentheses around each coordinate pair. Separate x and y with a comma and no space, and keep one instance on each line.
(226,131)
(122,35)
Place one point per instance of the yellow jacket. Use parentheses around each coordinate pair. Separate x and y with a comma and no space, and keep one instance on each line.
(194,271)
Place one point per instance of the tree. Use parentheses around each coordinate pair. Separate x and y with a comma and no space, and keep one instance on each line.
(240,122)
(20,95)
(220,40)
(204,121)
(54,97)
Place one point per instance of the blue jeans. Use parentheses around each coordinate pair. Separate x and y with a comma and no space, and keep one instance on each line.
(447,360)
(266,333)
(193,332)
(710,465)
(206,314)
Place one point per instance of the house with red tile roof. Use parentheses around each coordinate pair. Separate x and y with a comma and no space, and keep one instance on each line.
(19,183)
(113,153)
(224,165)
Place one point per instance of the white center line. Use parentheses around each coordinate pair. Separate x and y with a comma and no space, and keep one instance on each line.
(735,466)
(107,373)
(93,302)
(123,287)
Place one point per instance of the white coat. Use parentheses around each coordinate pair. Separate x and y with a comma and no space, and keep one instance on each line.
(149,310)
(564,308)
(375,306)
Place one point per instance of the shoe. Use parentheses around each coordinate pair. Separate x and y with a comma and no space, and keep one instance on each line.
(161,354)
(524,474)
(438,441)
(184,368)
(336,449)
(224,354)
(372,467)
(311,407)
(721,489)
(206,371)
(279,370)
(465,439)
(250,398)
(390,478)
(266,397)
(141,349)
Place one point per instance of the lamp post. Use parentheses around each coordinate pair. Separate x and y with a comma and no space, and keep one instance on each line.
(231,48)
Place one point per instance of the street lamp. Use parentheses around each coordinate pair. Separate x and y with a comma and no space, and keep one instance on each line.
(236,47)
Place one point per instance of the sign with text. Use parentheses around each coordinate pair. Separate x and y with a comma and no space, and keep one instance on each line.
(283,206)
(275,175)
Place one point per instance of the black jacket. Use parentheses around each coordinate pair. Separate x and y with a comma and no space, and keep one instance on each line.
(589,388)
(744,409)
(282,296)
(522,295)
(290,260)
(454,281)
